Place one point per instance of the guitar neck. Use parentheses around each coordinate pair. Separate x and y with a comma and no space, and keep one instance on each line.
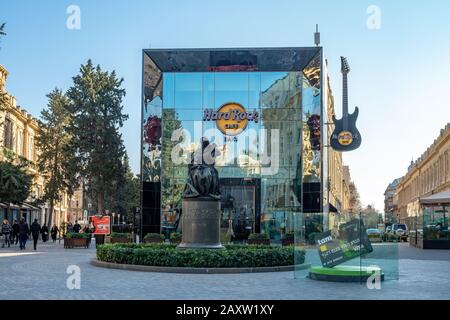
(344,100)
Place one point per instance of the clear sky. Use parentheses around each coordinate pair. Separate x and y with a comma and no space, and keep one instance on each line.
(399,76)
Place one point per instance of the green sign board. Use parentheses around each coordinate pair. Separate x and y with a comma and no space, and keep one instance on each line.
(350,242)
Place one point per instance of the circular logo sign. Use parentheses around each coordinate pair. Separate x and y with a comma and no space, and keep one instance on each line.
(233,119)
(345,138)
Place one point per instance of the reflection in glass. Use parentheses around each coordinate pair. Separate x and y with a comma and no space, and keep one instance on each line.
(269,199)
(189,90)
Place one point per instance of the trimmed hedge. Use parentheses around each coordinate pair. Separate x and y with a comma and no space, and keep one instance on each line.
(234,256)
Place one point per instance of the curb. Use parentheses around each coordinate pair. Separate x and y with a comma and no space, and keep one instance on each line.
(132,267)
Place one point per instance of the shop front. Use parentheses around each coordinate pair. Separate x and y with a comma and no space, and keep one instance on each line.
(431,222)
(262,111)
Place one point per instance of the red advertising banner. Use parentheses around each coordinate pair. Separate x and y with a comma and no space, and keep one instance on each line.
(102,225)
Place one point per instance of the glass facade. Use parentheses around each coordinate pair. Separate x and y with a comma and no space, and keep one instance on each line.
(430,227)
(270,168)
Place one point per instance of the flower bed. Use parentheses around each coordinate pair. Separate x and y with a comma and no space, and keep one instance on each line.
(234,256)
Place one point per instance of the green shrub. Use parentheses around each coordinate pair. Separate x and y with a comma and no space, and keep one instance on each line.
(166,255)
(120,235)
(258,236)
(154,237)
(73,235)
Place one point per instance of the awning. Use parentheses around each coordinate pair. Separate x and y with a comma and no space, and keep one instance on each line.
(440,198)
(11,206)
(24,206)
(28,206)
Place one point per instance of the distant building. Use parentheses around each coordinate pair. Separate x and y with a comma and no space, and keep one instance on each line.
(389,195)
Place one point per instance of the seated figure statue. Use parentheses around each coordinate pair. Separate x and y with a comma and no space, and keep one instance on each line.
(203,178)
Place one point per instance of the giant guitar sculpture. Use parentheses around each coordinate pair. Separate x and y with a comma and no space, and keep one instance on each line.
(346,136)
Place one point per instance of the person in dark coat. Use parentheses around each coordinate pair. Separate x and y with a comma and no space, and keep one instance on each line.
(15,232)
(76,227)
(35,230)
(24,232)
(54,232)
(44,232)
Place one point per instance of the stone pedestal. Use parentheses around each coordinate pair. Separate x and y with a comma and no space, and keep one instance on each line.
(200,223)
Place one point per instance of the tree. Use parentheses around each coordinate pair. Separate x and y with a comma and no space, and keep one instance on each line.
(171,192)
(15,183)
(96,107)
(126,196)
(55,156)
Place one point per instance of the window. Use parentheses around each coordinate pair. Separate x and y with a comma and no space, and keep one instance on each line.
(8,134)
(31,149)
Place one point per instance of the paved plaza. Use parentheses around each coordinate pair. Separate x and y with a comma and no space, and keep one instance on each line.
(42,274)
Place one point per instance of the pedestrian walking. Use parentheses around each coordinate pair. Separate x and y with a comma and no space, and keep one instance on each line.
(6,232)
(35,230)
(44,232)
(24,233)
(54,232)
(15,232)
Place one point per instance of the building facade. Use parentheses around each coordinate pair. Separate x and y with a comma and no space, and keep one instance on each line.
(18,133)
(428,175)
(264,109)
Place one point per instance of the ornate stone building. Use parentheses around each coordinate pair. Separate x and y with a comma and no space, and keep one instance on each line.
(18,132)
(428,175)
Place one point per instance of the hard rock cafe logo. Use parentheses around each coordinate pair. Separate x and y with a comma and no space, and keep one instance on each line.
(231,118)
(345,138)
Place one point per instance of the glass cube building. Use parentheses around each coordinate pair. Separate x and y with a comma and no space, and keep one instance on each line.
(264,110)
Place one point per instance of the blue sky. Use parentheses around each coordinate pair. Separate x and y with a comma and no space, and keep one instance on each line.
(399,75)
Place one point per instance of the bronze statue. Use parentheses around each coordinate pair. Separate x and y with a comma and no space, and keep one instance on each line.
(203,178)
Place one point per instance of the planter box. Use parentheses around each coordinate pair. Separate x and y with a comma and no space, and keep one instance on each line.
(120,240)
(77,243)
(265,242)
